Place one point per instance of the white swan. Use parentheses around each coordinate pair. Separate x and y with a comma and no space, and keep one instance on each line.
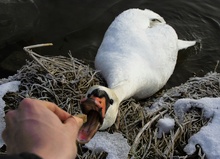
(136,58)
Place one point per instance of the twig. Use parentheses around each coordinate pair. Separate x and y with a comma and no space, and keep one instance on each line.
(137,139)
(28,49)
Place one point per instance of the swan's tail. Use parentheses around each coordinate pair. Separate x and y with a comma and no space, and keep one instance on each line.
(182,44)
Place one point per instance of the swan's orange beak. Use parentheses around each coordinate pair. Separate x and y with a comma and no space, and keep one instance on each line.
(94,108)
(101,103)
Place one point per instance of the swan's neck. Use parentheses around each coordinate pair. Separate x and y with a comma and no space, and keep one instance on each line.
(122,92)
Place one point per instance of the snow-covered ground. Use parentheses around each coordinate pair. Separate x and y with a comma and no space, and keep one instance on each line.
(115,144)
(209,136)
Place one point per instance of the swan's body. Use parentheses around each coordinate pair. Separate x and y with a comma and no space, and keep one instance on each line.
(136,58)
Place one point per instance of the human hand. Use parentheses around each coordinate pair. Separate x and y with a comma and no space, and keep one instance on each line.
(41,128)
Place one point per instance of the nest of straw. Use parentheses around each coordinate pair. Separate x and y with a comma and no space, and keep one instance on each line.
(65,80)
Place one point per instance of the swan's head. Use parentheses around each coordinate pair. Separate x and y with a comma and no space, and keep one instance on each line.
(101,107)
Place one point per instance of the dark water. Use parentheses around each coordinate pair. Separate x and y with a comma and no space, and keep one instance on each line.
(79,25)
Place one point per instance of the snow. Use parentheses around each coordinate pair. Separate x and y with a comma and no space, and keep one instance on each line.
(114,144)
(208,136)
(4,88)
(165,125)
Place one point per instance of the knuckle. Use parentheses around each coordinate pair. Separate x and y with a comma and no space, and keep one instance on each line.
(71,122)
(25,102)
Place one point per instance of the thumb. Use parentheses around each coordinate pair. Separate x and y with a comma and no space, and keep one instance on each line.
(78,120)
(73,124)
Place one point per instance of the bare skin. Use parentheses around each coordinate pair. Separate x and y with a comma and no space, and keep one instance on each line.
(42,128)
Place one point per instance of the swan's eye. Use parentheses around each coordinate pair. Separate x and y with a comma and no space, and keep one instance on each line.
(111,101)
(89,95)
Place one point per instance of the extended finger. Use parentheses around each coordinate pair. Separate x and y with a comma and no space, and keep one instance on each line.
(62,115)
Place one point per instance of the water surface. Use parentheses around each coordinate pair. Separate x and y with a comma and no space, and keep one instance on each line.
(79,26)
